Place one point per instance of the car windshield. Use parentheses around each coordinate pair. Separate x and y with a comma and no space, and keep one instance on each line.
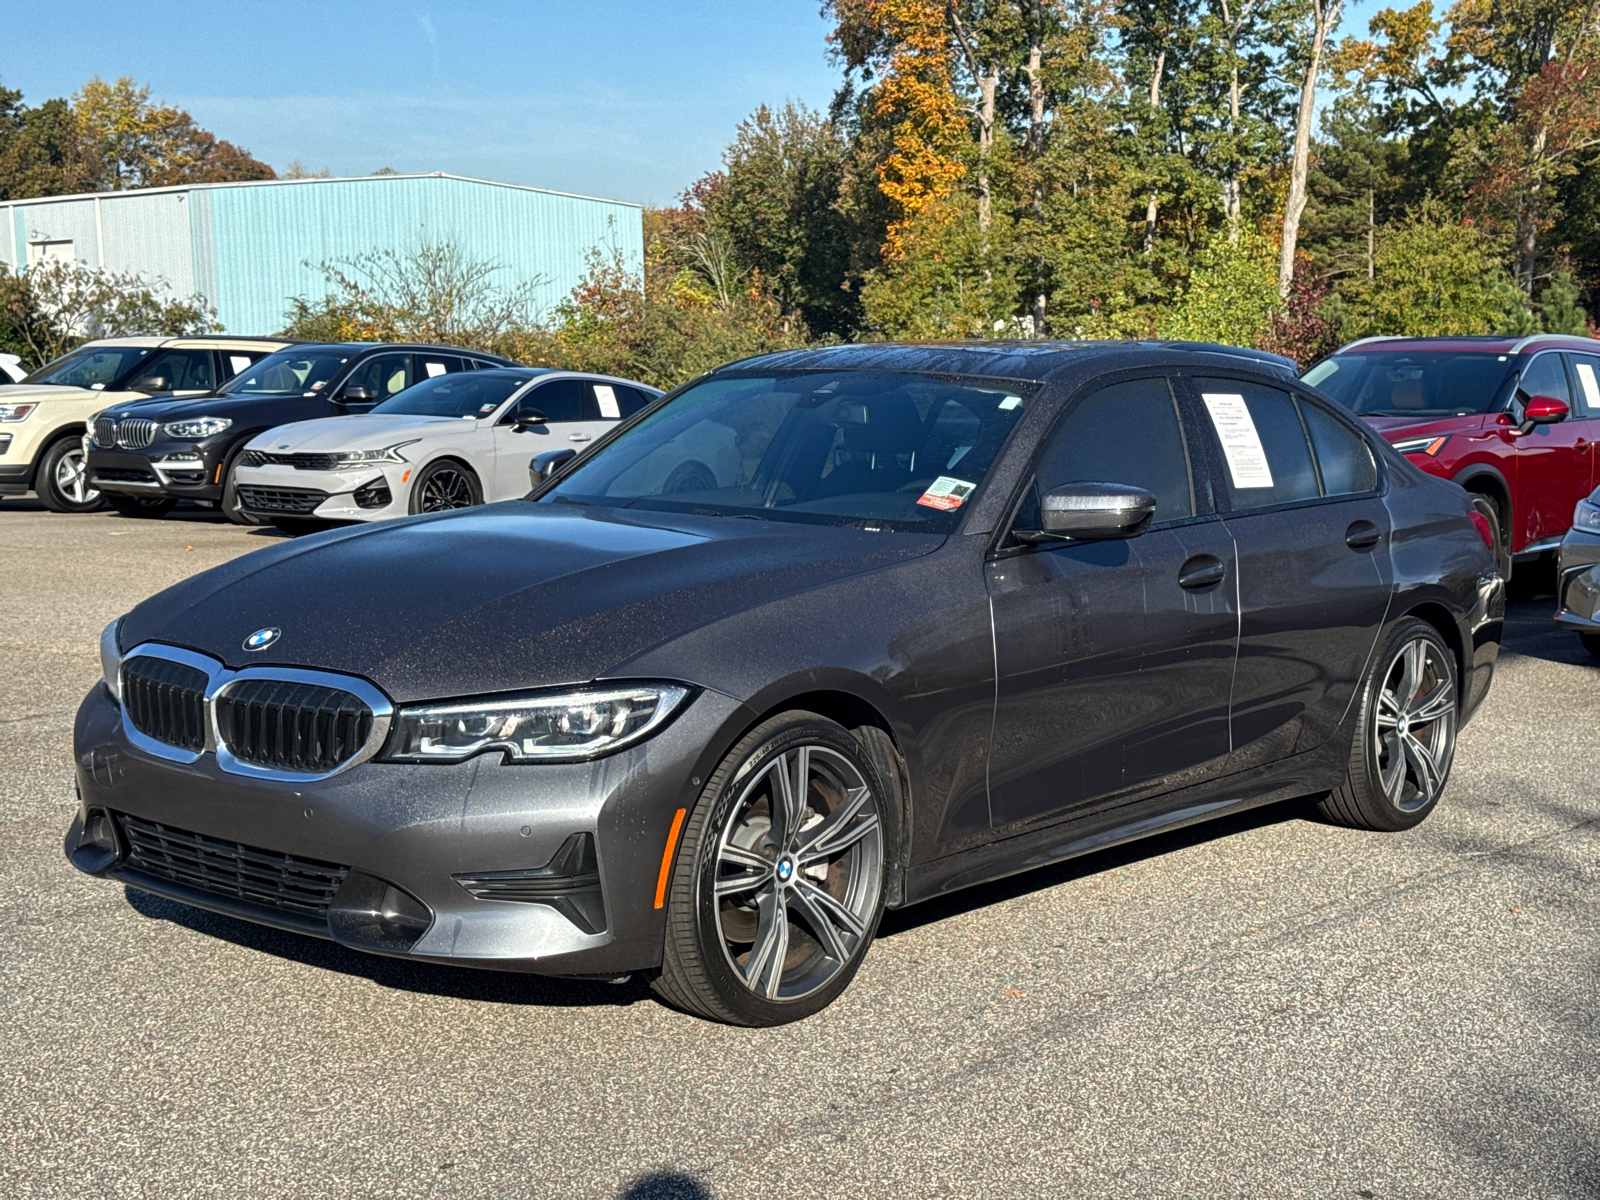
(465,394)
(892,450)
(91,366)
(288,372)
(1412,383)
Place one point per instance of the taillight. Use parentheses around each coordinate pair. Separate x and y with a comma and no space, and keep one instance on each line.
(1481,524)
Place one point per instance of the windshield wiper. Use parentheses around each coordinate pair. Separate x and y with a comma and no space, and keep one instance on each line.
(568,500)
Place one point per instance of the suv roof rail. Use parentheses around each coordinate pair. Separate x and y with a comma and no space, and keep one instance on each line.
(1558,337)
(1388,337)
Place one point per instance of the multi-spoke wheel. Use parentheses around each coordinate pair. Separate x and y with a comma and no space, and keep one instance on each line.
(444,485)
(64,479)
(1401,756)
(778,885)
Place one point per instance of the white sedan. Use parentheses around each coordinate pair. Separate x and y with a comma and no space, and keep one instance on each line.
(448,442)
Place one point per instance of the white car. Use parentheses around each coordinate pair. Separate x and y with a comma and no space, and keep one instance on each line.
(11,368)
(448,442)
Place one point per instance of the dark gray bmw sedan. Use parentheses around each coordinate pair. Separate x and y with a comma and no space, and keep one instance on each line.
(819,634)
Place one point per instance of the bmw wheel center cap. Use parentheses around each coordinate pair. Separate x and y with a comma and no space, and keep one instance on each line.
(262,638)
(785,870)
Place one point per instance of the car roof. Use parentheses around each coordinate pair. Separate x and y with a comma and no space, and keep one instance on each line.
(1032,361)
(1496,344)
(200,341)
(361,347)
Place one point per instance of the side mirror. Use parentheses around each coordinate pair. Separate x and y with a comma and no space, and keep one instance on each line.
(150,384)
(527,419)
(547,465)
(1088,512)
(1543,410)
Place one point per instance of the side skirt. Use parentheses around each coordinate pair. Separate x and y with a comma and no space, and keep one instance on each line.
(1303,775)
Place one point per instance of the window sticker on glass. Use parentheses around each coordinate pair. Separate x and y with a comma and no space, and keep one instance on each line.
(1010,402)
(1241,444)
(238,362)
(1591,387)
(947,492)
(433,368)
(608,401)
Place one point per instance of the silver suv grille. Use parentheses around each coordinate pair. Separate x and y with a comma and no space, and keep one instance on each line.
(136,435)
(105,432)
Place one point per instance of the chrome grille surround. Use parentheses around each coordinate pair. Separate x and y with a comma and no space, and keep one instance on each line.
(105,432)
(220,680)
(135,434)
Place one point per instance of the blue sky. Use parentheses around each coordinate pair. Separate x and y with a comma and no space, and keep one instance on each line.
(620,98)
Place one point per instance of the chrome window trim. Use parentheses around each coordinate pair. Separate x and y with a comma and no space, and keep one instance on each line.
(220,678)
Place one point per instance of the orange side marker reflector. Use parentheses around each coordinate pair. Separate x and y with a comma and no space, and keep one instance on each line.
(406,478)
(666,858)
(218,479)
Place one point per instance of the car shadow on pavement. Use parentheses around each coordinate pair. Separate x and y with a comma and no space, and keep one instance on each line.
(666,1185)
(408,975)
(982,895)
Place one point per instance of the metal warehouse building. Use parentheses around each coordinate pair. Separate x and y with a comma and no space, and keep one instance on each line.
(249,247)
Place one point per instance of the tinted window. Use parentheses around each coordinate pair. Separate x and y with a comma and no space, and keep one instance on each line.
(631,400)
(1251,422)
(1545,376)
(91,366)
(234,361)
(383,375)
(1400,384)
(461,394)
(1586,372)
(1127,433)
(288,372)
(562,400)
(184,371)
(1346,462)
(897,449)
(431,366)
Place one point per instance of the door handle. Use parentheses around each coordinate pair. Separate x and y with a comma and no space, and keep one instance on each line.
(1362,535)
(1201,571)
(578,437)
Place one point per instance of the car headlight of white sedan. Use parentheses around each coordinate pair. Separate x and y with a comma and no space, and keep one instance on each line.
(360,458)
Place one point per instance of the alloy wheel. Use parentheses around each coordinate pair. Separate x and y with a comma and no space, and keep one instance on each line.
(1414,725)
(72,478)
(799,869)
(446,489)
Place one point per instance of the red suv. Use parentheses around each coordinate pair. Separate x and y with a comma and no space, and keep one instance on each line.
(1512,420)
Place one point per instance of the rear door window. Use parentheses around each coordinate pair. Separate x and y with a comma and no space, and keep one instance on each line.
(1265,448)
(1586,374)
(1344,459)
(431,366)
(632,400)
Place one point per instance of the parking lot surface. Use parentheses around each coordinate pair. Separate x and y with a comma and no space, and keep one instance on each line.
(1266,1006)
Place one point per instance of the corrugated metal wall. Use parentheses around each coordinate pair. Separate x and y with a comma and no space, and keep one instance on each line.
(248,248)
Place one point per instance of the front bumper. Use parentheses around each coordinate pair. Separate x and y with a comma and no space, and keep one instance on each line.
(284,491)
(133,473)
(1578,582)
(418,828)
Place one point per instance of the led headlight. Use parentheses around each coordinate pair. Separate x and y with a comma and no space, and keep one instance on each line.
(1587,516)
(16,412)
(197,427)
(1423,445)
(360,458)
(111,658)
(573,725)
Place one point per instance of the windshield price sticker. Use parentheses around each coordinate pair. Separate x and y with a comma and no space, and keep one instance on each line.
(947,492)
(606,395)
(1241,444)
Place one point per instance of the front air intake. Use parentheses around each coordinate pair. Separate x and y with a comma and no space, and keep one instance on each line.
(299,728)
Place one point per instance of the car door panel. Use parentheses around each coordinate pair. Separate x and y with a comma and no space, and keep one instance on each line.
(1551,459)
(1586,408)
(1112,676)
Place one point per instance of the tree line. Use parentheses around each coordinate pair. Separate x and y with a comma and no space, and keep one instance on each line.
(1248,171)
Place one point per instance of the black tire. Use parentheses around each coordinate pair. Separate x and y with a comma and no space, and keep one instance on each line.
(1591,643)
(62,481)
(819,866)
(299,526)
(151,508)
(1405,733)
(229,504)
(443,485)
(1501,548)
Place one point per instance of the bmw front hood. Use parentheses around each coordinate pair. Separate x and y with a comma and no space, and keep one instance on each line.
(508,596)
(358,431)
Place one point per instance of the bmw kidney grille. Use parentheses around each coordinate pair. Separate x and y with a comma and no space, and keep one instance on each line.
(292,726)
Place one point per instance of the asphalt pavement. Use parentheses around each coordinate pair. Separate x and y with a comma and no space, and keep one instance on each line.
(1267,1007)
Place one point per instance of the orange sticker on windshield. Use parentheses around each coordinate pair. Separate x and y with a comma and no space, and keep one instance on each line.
(947,492)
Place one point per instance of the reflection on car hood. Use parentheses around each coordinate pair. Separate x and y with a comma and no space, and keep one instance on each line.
(506,596)
(21,393)
(1420,425)
(358,431)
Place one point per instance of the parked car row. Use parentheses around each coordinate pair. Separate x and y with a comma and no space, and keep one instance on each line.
(821,634)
